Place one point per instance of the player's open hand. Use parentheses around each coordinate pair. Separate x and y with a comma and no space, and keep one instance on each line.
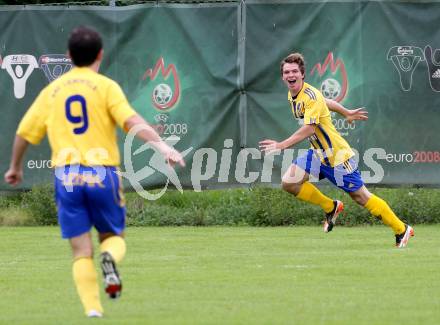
(269,146)
(357,114)
(173,157)
(14,176)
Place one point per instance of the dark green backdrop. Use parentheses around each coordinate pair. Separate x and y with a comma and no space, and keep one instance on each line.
(219,66)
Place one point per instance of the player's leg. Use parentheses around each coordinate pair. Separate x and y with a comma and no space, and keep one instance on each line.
(73,217)
(346,176)
(84,274)
(107,208)
(380,209)
(296,181)
(113,244)
(113,250)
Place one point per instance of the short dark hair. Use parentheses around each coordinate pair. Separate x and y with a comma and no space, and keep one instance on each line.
(294,58)
(84,45)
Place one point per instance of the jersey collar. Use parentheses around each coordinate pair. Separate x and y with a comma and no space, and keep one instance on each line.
(289,94)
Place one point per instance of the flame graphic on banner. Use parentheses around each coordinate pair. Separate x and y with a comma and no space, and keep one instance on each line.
(321,69)
(171,69)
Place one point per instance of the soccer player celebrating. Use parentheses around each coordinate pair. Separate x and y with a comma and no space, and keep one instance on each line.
(330,155)
(79,112)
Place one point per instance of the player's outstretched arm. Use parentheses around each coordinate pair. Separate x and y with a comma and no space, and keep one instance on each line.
(269,146)
(350,114)
(14,175)
(147,134)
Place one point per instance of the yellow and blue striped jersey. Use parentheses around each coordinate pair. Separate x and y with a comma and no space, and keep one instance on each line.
(79,112)
(309,108)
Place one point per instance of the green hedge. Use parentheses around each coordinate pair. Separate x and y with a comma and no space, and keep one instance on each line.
(260,206)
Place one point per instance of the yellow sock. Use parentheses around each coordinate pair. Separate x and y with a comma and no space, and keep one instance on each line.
(114,245)
(85,277)
(311,194)
(380,209)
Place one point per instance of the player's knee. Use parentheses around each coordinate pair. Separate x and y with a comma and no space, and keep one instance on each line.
(290,187)
(82,252)
(359,198)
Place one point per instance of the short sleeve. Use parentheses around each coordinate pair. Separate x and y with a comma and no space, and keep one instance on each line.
(118,105)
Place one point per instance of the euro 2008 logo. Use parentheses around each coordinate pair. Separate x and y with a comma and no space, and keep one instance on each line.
(331,87)
(163,96)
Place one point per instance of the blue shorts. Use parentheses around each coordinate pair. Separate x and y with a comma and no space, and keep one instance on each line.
(346,176)
(89,196)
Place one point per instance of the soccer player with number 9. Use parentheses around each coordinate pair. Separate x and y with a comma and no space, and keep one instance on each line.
(79,112)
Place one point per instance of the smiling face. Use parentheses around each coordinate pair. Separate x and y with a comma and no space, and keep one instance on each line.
(293,77)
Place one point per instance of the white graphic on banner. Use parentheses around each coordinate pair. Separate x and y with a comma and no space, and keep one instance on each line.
(14,65)
(156,163)
(331,88)
(433,67)
(54,65)
(162,94)
(405,59)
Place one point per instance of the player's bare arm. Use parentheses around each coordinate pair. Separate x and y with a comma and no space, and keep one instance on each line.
(148,134)
(14,175)
(350,114)
(302,133)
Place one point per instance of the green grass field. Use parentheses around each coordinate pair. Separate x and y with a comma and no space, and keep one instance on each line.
(240,275)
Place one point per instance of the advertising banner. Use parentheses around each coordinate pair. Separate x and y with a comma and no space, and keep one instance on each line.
(379,55)
(207,77)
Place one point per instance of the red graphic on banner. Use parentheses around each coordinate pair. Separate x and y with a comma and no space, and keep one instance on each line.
(152,74)
(334,66)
